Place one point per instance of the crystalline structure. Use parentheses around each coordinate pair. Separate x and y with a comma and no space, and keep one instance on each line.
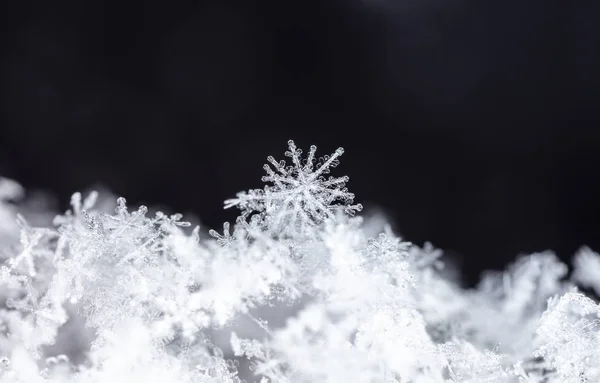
(297,290)
(300,196)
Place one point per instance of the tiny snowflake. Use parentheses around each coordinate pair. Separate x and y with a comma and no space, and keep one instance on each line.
(299,196)
(224,239)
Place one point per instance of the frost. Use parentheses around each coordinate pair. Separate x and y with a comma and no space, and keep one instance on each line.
(297,290)
(569,337)
(465,363)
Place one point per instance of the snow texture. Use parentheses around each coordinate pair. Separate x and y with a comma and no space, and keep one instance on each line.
(299,289)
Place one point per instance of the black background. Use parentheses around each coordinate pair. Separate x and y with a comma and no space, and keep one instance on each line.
(472,124)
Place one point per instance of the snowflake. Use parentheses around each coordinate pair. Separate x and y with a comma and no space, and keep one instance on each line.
(300,196)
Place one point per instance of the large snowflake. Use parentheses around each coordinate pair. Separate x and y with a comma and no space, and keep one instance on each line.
(300,196)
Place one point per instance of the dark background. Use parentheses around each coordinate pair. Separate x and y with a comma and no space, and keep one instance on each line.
(472,124)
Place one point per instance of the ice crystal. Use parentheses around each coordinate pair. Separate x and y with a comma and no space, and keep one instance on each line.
(297,290)
(587,269)
(299,196)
